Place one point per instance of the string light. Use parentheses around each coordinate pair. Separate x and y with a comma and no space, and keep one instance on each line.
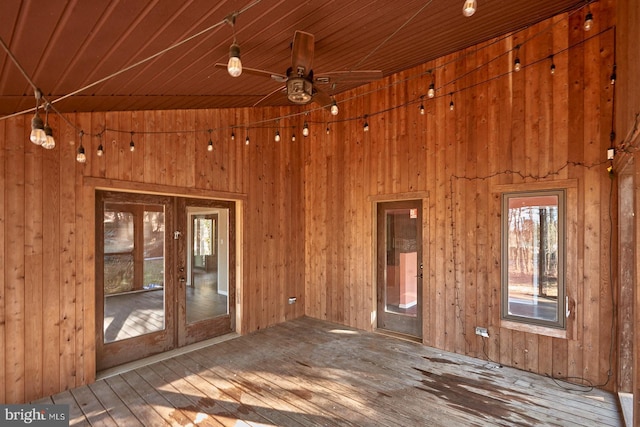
(421,106)
(277,137)
(431,93)
(552,69)
(246,141)
(293,137)
(37,136)
(334,108)
(305,130)
(365,127)
(100,151)
(210,145)
(613,75)
(516,62)
(132,145)
(80,156)
(233,136)
(50,142)
(588,20)
(469,8)
(328,130)
(451,101)
(234,66)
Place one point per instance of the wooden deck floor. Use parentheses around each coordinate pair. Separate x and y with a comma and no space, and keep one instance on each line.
(308,372)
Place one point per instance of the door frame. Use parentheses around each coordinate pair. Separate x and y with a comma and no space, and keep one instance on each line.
(90,186)
(198,331)
(426,255)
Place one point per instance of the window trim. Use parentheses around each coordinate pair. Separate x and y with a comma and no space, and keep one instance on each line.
(560,323)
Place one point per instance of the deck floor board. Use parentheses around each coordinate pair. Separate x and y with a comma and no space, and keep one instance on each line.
(308,372)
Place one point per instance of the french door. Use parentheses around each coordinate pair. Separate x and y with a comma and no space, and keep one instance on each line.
(164,273)
(399,267)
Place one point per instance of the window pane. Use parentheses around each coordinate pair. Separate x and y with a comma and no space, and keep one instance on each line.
(533,257)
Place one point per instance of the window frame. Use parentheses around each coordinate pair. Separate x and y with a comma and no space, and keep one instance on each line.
(561,322)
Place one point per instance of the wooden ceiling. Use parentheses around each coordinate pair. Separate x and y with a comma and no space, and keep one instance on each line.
(67,45)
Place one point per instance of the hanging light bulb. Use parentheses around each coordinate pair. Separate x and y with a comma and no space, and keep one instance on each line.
(451,101)
(277,137)
(246,141)
(588,21)
(293,137)
(100,151)
(365,127)
(613,75)
(234,66)
(210,144)
(328,130)
(516,62)
(80,156)
(431,93)
(233,136)
(552,69)
(132,145)
(334,108)
(305,130)
(49,142)
(421,106)
(469,8)
(37,136)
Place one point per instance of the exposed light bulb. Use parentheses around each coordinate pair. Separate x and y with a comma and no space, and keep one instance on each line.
(80,156)
(328,130)
(516,64)
(37,136)
(246,141)
(451,106)
(305,130)
(210,145)
(50,142)
(293,137)
(422,109)
(100,151)
(553,68)
(588,21)
(334,108)
(432,91)
(132,146)
(233,136)
(277,137)
(234,66)
(469,8)
(366,127)
(613,77)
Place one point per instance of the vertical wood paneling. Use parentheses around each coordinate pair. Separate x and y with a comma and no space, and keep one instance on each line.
(307,221)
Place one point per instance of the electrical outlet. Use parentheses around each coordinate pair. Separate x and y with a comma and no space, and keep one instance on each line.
(482,332)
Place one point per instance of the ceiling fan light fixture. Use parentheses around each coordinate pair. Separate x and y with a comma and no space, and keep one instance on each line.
(234,66)
(469,8)
(299,90)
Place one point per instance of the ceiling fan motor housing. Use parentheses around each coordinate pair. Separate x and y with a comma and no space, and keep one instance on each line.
(299,90)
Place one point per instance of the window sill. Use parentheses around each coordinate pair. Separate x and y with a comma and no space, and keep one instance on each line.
(534,329)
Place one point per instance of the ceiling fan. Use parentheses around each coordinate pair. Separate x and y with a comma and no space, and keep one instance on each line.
(300,80)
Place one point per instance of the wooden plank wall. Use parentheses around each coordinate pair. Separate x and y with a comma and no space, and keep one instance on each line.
(506,128)
(47,308)
(627,125)
(307,221)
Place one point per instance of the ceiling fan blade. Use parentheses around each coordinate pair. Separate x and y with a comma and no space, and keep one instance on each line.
(302,52)
(322,98)
(279,92)
(280,78)
(358,76)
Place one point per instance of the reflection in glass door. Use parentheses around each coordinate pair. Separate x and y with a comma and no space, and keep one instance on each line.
(399,271)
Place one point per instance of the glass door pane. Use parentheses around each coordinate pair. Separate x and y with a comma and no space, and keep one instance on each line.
(133,275)
(208,284)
